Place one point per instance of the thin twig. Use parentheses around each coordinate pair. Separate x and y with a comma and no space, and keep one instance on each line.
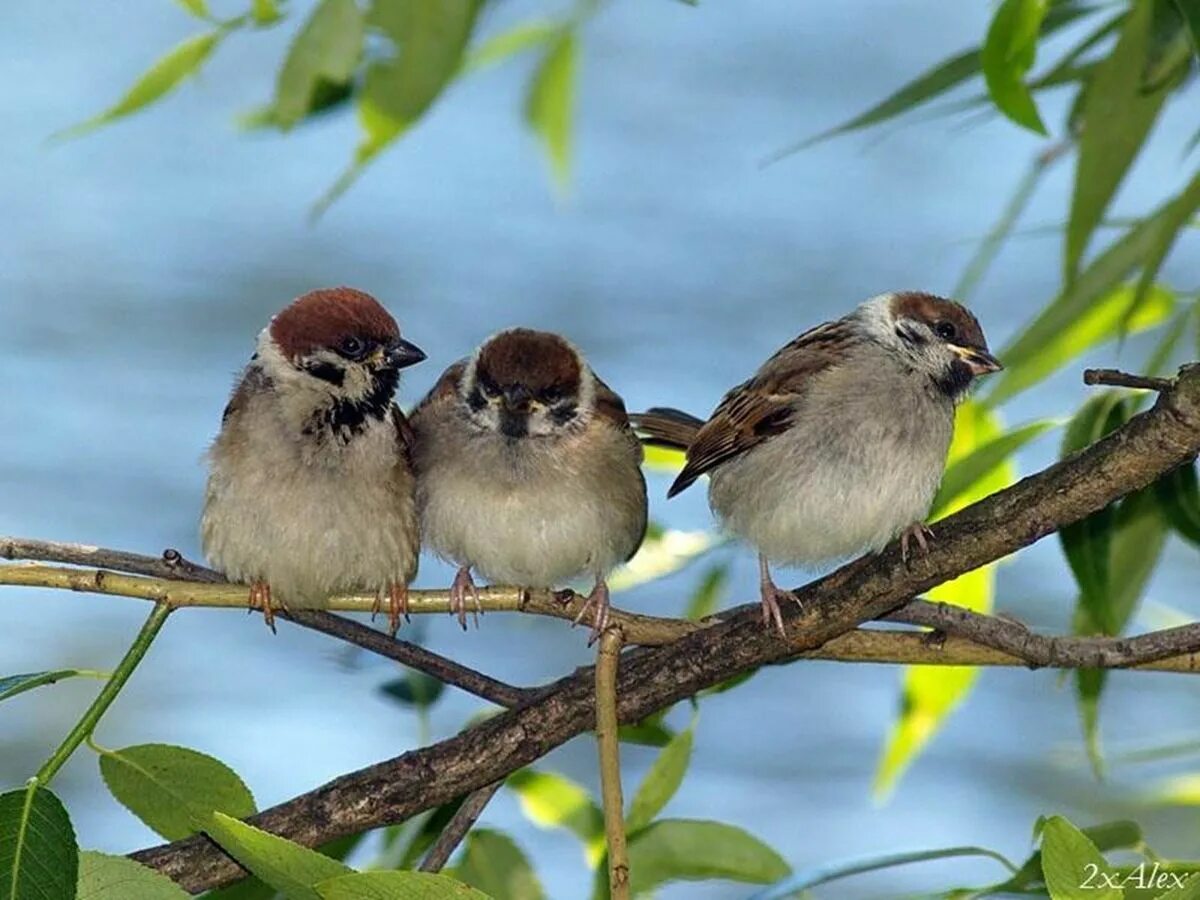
(608,742)
(1117,378)
(458,826)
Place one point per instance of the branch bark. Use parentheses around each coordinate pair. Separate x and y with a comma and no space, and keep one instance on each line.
(1149,445)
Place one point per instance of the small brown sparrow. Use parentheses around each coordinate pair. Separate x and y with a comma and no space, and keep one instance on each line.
(310,487)
(838,442)
(528,470)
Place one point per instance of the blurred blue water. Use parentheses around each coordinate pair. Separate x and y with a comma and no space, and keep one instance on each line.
(137,265)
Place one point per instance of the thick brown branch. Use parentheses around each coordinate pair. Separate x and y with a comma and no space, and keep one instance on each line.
(1130,458)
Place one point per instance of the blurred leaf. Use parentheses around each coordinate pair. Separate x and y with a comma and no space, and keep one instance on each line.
(663,459)
(1102,320)
(12,685)
(982,461)
(1189,889)
(493,863)
(327,47)
(172,789)
(1190,11)
(1008,53)
(1161,241)
(662,781)
(254,889)
(167,73)
(1117,115)
(39,859)
(1119,835)
(198,8)
(518,39)
(415,689)
(105,877)
(672,850)
(1068,68)
(265,12)
(284,865)
(708,593)
(650,732)
(662,554)
(1068,857)
(1089,685)
(430,37)
(1137,544)
(396,886)
(1179,497)
(432,826)
(1172,335)
(550,106)
(823,874)
(1100,278)
(550,800)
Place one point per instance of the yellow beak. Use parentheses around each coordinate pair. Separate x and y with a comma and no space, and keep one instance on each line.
(979,361)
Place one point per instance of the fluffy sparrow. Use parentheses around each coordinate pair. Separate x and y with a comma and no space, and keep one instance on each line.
(528,470)
(310,487)
(837,444)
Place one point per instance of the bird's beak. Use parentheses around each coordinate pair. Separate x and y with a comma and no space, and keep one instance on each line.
(401,354)
(516,400)
(980,362)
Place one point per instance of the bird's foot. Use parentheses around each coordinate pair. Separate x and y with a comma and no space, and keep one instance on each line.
(260,598)
(771,594)
(597,601)
(919,532)
(462,585)
(397,605)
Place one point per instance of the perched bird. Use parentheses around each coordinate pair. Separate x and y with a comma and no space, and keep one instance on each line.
(528,470)
(310,486)
(838,442)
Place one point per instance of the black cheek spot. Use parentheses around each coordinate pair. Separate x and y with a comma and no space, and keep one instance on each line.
(327,371)
(475,400)
(561,415)
(912,338)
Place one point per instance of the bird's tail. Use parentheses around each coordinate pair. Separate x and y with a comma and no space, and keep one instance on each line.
(666,427)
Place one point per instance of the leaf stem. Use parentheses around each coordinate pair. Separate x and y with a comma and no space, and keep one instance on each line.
(83,728)
(607,660)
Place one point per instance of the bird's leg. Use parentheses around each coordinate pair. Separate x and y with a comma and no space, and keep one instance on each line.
(598,598)
(397,605)
(919,532)
(462,585)
(771,595)
(260,598)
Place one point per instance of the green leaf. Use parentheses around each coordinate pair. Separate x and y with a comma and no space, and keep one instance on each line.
(1119,835)
(672,850)
(172,789)
(550,800)
(12,685)
(105,877)
(1179,498)
(1137,544)
(284,865)
(650,732)
(1008,53)
(1116,117)
(1097,280)
(327,47)
(962,474)
(1188,890)
(506,44)
(663,459)
(39,859)
(265,12)
(493,863)
(1190,11)
(708,593)
(550,106)
(198,8)
(661,554)
(662,781)
(1103,319)
(424,837)
(396,886)
(415,689)
(167,73)
(1069,860)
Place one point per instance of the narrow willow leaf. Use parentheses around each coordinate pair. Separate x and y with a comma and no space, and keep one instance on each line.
(328,46)
(167,73)
(1117,115)
(650,732)
(516,40)
(707,598)
(962,474)
(105,877)
(1138,540)
(1104,319)
(12,685)
(397,886)
(673,850)
(550,106)
(265,12)
(1008,53)
(1190,11)
(663,554)
(39,859)
(1070,860)
(1089,686)
(1179,498)
(1100,278)
(493,863)
(823,874)
(284,865)
(172,789)
(198,8)
(415,689)
(550,800)
(663,459)
(662,781)
(1166,232)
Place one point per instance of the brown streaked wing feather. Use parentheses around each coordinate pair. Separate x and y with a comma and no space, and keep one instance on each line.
(445,387)
(610,406)
(763,406)
(405,437)
(662,426)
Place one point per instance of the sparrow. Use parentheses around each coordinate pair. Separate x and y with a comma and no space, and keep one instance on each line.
(310,486)
(528,471)
(838,442)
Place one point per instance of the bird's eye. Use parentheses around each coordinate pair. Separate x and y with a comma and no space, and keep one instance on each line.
(352,347)
(551,395)
(489,387)
(945,330)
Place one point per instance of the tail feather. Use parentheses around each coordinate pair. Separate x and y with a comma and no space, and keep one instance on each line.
(666,427)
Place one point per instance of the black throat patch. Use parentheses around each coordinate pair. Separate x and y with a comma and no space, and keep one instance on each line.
(954,380)
(343,419)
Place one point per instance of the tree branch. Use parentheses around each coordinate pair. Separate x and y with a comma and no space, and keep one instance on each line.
(608,660)
(1149,445)
(456,829)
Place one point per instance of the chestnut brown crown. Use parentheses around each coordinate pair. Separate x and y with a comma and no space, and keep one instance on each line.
(539,361)
(950,321)
(332,318)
